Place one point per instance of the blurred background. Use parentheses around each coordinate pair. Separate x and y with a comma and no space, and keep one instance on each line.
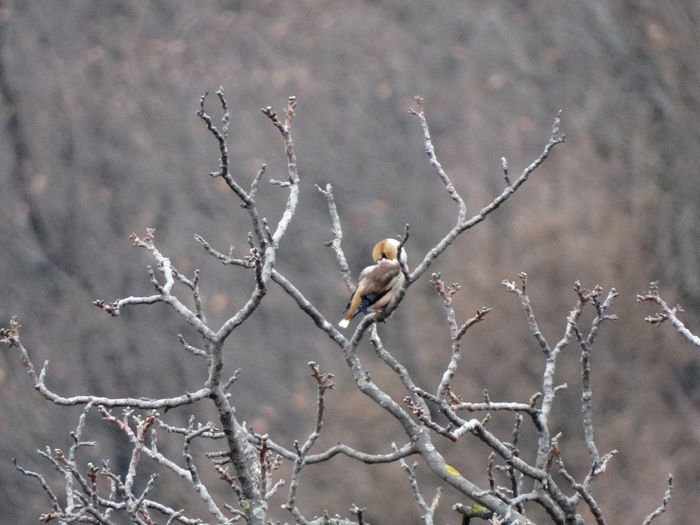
(99,138)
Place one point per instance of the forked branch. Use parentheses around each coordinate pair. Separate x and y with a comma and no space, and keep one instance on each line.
(667,313)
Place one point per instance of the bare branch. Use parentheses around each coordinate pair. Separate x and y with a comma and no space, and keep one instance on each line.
(395,365)
(427,510)
(324,383)
(164,296)
(242,454)
(358,511)
(522,294)
(504,164)
(137,440)
(248,261)
(291,505)
(432,156)
(310,309)
(463,225)
(664,505)
(491,406)
(583,491)
(456,332)
(72,452)
(285,130)
(336,242)
(38,381)
(256,181)
(667,313)
(515,477)
(55,505)
(199,487)
(340,448)
(549,389)
(192,349)
(221,136)
(264,271)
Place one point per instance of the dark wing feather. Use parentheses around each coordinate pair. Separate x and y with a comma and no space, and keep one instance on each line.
(367,301)
(375,282)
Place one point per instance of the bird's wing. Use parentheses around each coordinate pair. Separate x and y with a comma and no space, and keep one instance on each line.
(378,278)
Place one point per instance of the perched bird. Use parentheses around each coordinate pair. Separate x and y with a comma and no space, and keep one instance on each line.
(378,284)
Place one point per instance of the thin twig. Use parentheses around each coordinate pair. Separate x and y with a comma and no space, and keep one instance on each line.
(667,313)
(337,230)
(664,504)
(428,511)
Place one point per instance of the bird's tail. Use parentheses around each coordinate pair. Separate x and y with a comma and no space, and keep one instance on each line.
(367,301)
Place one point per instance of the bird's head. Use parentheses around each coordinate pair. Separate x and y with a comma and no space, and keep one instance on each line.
(388,249)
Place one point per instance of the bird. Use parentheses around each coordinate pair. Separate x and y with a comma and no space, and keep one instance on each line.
(378,284)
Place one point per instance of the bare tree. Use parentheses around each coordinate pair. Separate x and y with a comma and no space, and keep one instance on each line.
(250,462)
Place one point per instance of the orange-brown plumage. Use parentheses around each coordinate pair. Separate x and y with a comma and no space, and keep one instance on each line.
(378,284)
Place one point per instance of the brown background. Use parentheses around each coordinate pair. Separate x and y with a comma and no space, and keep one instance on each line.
(99,138)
